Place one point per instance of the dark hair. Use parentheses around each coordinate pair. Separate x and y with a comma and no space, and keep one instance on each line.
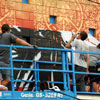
(98,46)
(83,35)
(5,28)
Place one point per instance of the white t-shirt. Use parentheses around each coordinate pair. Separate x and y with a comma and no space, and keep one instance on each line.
(80,58)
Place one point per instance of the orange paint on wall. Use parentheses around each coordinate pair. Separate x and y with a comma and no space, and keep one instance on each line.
(19,22)
(72,15)
(28,24)
(22,15)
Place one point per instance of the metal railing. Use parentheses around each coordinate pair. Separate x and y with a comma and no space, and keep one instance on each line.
(44,94)
(66,92)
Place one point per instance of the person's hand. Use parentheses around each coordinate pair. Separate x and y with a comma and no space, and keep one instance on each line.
(35,46)
(73,36)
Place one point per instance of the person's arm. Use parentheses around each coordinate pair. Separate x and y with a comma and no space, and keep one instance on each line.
(69,42)
(14,39)
(22,42)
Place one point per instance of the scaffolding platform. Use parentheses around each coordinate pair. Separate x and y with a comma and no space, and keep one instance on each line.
(55,93)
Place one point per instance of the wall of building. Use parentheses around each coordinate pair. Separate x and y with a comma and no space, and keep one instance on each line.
(72,15)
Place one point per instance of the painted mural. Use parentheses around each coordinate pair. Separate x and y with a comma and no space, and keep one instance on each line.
(72,15)
(42,38)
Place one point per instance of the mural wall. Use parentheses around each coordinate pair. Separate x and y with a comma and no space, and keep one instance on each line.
(72,15)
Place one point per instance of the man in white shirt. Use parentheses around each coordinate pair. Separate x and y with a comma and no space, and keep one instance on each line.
(80,59)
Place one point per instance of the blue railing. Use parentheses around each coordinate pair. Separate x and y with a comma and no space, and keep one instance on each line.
(66,93)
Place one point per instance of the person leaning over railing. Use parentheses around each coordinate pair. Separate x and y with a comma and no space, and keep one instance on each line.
(93,59)
(80,58)
(7,38)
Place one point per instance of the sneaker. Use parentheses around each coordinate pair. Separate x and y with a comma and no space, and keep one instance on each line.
(3,88)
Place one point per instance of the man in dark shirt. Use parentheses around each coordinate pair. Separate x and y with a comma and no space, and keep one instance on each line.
(7,38)
(93,59)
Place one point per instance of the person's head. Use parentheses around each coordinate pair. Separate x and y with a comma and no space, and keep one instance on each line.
(98,46)
(82,35)
(5,28)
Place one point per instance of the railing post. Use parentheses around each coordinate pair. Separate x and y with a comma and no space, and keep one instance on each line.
(63,67)
(11,65)
(73,73)
(38,78)
(67,68)
(35,74)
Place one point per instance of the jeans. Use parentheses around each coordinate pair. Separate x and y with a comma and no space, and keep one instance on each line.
(4,73)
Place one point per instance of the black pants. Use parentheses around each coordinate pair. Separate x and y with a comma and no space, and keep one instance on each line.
(80,78)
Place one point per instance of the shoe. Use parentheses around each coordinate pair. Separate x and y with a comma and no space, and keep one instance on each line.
(3,88)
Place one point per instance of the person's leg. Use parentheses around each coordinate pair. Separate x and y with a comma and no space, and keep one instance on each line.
(5,74)
(95,86)
(0,79)
(2,74)
(80,82)
(6,77)
(93,79)
(80,78)
(5,82)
